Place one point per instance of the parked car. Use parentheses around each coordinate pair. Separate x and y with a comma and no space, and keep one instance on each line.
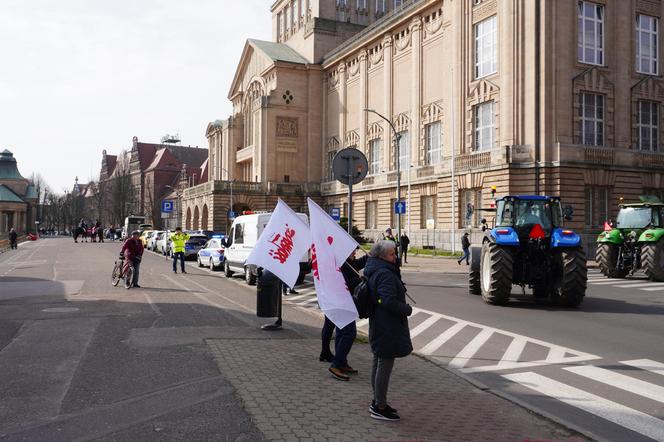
(162,244)
(152,240)
(241,240)
(192,246)
(145,236)
(212,253)
(208,233)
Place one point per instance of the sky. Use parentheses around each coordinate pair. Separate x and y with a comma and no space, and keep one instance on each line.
(81,76)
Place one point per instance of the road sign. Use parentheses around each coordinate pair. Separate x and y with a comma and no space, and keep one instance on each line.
(167,206)
(400,207)
(349,163)
(231,215)
(431,223)
(335,213)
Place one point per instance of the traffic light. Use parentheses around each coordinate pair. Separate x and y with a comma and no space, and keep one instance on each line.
(493,191)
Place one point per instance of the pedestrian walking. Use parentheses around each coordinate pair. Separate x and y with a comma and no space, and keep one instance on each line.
(133,252)
(389,335)
(465,246)
(344,337)
(178,241)
(13,239)
(404,242)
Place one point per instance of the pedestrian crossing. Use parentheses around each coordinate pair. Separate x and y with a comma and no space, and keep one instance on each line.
(623,399)
(639,282)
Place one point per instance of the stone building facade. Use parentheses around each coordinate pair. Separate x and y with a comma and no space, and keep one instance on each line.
(556,97)
(18,198)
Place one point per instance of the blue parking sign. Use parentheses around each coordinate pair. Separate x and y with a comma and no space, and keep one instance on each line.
(167,206)
(335,213)
(400,207)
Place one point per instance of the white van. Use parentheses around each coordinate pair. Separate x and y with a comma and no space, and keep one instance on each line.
(241,240)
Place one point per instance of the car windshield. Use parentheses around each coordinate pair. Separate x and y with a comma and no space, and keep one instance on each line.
(198,240)
(634,217)
(520,213)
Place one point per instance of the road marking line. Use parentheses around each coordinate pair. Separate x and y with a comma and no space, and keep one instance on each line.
(362,322)
(627,383)
(290,298)
(462,358)
(634,420)
(646,364)
(653,289)
(616,281)
(556,354)
(445,336)
(655,285)
(153,306)
(424,325)
(308,301)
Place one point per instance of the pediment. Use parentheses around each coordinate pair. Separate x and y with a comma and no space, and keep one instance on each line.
(484,90)
(253,63)
(650,87)
(593,79)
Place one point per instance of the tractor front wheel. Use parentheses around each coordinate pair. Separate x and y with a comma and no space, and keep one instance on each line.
(652,260)
(496,273)
(571,288)
(606,257)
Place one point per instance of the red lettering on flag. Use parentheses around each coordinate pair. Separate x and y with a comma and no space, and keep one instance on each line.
(284,245)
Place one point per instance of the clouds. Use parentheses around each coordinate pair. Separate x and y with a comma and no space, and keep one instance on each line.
(80,76)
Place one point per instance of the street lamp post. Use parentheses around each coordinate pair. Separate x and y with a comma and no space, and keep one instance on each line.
(397,137)
(178,209)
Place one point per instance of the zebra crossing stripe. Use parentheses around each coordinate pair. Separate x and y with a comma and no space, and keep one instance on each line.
(308,301)
(445,336)
(630,418)
(627,383)
(296,297)
(653,289)
(617,281)
(646,364)
(462,358)
(424,325)
(513,351)
(657,286)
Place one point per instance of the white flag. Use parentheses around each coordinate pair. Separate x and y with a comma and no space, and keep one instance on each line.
(331,245)
(281,245)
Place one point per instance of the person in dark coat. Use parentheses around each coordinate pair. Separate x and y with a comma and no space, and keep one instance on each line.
(389,334)
(465,246)
(346,336)
(13,236)
(404,242)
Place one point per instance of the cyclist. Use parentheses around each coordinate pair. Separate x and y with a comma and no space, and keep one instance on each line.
(132,249)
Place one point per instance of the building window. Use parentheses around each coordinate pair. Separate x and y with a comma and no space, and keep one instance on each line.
(279,25)
(345,210)
(484,125)
(380,6)
(361,5)
(471,200)
(374,156)
(303,11)
(398,4)
(596,205)
(427,211)
(591,119)
(646,44)
(330,159)
(432,145)
(371,214)
(248,127)
(286,21)
(341,10)
(591,33)
(486,48)
(403,152)
(648,125)
(292,16)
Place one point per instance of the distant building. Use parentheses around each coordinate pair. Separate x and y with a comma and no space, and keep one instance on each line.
(136,181)
(18,198)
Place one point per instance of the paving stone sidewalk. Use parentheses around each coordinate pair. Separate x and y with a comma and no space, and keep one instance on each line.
(291,397)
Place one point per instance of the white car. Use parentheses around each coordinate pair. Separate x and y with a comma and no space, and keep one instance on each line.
(152,240)
(212,253)
(162,243)
(241,240)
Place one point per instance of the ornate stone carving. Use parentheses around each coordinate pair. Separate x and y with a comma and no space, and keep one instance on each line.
(287,127)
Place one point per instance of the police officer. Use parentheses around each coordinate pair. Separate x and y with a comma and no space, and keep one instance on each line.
(178,240)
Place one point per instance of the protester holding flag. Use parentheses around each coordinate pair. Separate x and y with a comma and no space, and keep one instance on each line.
(345,337)
(389,335)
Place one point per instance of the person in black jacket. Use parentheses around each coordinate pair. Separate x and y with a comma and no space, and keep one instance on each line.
(389,335)
(13,236)
(345,337)
(404,242)
(465,245)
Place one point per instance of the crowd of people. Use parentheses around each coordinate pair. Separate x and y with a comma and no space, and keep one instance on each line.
(95,232)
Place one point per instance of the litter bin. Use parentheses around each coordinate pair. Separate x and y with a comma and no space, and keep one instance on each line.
(268,294)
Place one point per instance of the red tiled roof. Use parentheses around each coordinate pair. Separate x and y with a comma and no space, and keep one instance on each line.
(164,160)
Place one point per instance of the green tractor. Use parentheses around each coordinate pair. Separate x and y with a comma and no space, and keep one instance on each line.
(636,242)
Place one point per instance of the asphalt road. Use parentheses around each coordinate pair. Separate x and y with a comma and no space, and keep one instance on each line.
(102,370)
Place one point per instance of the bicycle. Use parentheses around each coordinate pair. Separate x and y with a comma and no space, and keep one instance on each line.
(117,274)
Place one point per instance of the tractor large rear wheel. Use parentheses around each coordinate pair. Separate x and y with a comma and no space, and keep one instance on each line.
(606,257)
(652,260)
(474,282)
(496,273)
(571,289)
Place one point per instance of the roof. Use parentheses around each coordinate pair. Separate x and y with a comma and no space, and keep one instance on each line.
(163,159)
(111,161)
(8,195)
(278,51)
(8,169)
(31,192)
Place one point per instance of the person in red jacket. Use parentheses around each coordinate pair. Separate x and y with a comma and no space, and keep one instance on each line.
(133,252)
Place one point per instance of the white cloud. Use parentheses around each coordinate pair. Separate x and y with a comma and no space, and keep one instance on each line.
(80,76)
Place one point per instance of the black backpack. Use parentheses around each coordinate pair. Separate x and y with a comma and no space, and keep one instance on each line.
(364,300)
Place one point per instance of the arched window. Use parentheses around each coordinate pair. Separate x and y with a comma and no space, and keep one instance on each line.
(204,218)
(187,224)
(196,218)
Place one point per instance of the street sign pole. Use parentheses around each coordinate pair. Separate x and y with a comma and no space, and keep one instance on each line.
(350,167)
(350,162)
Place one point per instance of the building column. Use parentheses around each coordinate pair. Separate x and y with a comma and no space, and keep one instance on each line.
(416,90)
(343,102)
(364,77)
(387,110)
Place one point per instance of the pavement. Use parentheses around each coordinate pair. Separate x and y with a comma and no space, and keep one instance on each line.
(184,358)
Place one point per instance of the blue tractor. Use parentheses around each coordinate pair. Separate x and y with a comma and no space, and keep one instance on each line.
(529,247)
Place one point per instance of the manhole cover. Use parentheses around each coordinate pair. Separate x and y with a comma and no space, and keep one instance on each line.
(60,310)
